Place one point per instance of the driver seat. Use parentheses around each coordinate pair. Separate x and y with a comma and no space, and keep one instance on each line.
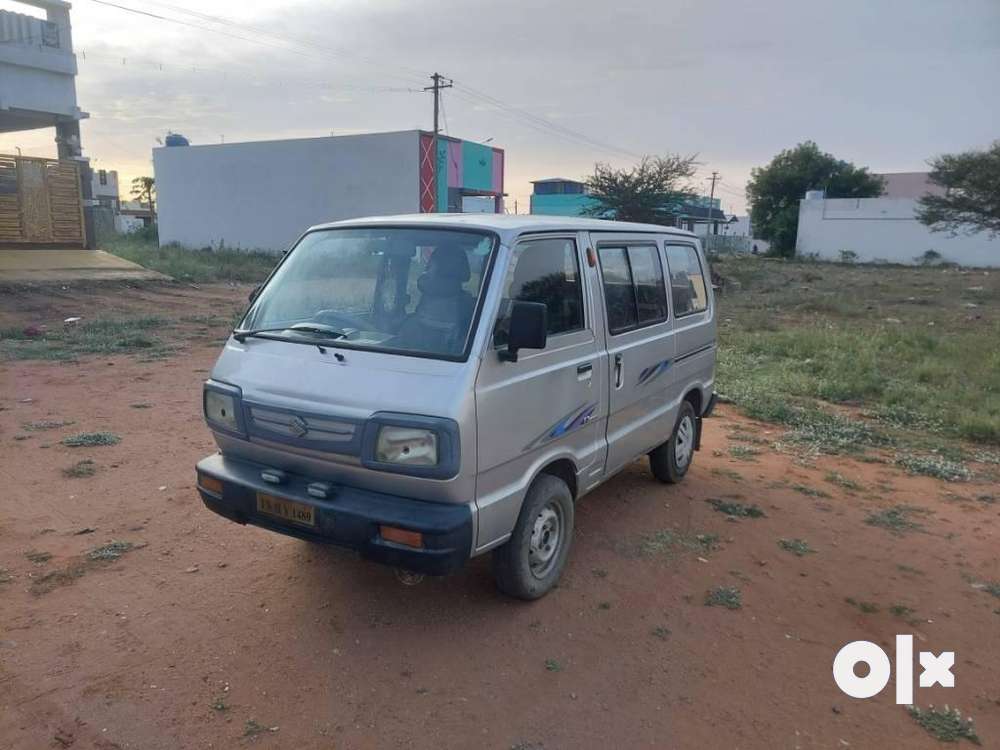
(441,318)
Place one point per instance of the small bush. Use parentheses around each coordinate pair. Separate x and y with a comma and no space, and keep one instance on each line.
(897,519)
(109,551)
(798,547)
(80,469)
(934,466)
(736,510)
(946,724)
(91,439)
(724,596)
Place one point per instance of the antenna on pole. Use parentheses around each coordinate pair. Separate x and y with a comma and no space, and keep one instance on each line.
(436,88)
(711,200)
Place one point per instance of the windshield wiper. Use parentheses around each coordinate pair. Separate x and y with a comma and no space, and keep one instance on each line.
(328,332)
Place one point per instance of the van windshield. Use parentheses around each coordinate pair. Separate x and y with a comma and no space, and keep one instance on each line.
(402,290)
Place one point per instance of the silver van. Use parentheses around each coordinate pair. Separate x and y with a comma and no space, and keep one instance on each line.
(424,389)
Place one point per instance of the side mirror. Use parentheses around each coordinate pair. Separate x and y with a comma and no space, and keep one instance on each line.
(529,325)
(253,293)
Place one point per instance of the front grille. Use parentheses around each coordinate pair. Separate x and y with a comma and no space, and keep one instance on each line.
(317,432)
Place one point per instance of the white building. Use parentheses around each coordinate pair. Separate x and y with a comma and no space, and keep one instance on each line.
(263,195)
(104,189)
(38,73)
(883,230)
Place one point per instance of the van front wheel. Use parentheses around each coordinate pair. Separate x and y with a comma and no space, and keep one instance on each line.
(670,462)
(532,560)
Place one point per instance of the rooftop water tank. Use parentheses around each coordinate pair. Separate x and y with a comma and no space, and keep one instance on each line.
(176,139)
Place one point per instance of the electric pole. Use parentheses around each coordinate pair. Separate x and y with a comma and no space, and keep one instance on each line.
(436,88)
(711,201)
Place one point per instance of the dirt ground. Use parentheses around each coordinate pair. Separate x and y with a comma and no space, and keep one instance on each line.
(209,634)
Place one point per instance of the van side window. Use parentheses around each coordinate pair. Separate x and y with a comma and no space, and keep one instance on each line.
(546,271)
(633,286)
(687,280)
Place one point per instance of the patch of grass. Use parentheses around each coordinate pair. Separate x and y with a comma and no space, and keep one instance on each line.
(252,728)
(808,491)
(91,439)
(204,265)
(744,452)
(46,424)
(947,724)
(220,705)
(604,606)
(835,477)
(727,473)
(110,551)
(551,665)
(787,343)
(38,558)
(101,336)
(661,632)
(909,569)
(938,467)
(667,542)
(901,611)
(5,576)
(798,547)
(724,596)
(735,509)
(897,519)
(868,608)
(599,573)
(85,468)
(141,405)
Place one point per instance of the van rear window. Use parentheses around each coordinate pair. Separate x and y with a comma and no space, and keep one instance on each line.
(687,280)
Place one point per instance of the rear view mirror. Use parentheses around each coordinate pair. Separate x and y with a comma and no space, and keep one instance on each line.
(529,324)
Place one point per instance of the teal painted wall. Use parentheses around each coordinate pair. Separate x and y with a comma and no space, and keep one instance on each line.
(560,204)
(477,166)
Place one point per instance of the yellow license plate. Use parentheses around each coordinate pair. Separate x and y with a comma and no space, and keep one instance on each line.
(286,510)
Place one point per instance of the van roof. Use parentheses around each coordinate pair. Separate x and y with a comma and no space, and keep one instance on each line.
(508,226)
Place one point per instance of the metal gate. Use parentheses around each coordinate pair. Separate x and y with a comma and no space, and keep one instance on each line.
(40,201)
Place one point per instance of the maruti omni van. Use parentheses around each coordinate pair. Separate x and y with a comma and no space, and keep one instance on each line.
(424,389)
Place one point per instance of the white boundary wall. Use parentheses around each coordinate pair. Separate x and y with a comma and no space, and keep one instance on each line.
(263,195)
(884,230)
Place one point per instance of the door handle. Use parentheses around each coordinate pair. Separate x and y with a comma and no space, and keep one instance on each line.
(619,371)
(584,372)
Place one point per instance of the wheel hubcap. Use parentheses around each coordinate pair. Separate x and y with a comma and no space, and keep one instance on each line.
(546,536)
(684,442)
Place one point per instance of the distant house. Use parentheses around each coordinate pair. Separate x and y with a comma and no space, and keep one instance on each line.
(104,189)
(264,194)
(559,196)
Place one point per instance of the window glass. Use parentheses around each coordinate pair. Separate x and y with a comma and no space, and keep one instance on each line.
(392,289)
(619,296)
(546,271)
(647,275)
(687,281)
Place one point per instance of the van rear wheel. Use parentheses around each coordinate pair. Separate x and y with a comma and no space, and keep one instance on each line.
(670,461)
(532,560)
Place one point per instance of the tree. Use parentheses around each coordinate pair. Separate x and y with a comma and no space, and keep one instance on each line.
(972,201)
(774,191)
(144,190)
(649,192)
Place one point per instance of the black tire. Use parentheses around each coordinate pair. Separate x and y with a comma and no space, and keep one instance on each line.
(520,566)
(663,461)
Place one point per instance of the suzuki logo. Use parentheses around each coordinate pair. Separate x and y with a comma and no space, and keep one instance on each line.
(298,426)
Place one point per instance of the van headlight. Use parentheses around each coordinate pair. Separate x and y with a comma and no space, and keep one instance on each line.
(221,403)
(407,446)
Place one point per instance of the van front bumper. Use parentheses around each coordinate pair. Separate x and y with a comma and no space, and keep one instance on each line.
(349,517)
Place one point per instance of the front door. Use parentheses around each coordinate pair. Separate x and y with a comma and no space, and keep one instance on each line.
(548,405)
(35,212)
(640,345)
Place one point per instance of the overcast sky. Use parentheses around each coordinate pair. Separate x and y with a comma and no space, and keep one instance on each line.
(882,83)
